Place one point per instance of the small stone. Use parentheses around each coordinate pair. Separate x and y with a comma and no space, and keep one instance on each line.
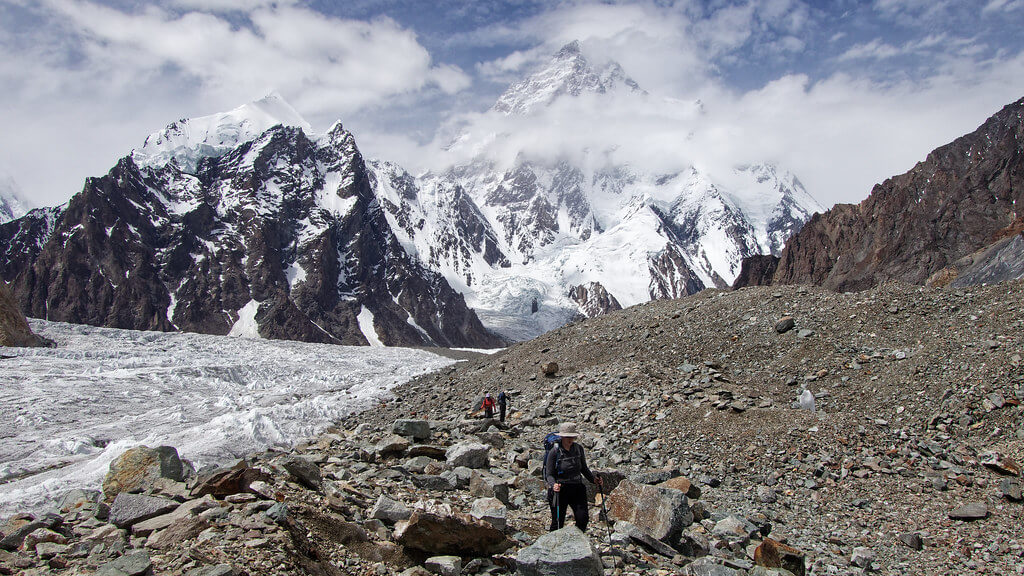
(862,557)
(785,324)
(912,540)
(444,565)
(1001,464)
(549,368)
(804,333)
(1010,489)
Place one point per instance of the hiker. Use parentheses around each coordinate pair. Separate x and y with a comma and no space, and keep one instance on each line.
(565,466)
(488,406)
(502,405)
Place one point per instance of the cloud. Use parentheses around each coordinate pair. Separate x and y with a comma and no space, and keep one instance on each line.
(112,76)
(1002,6)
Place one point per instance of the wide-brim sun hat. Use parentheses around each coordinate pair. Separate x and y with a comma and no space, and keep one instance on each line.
(567,430)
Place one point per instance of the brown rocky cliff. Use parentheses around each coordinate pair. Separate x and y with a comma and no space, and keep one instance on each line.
(959,200)
(14,329)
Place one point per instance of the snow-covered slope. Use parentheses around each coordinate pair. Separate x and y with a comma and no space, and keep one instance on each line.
(189,140)
(66,412)
(534,245)
(11,203)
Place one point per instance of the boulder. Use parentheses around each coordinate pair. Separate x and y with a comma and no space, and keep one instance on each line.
(785,324)
(16,529)
(227,481)
(14,328)
(735,530)
(774,554)
(565,552)
(131,564)
(415,429)
(138,469)
(147,527)
(439,530)
(490,510)
(444,565)
(77,497)
(468,454)
(129,509)
(661,512)
(684,485)
(549,368)
(708,566)
(1010,489)
(179,531)
(645,540)
(437,482)
(306,472)
(862,557)
(389,510)
(393,445)
(428,450)
(485,485)
(1001,464)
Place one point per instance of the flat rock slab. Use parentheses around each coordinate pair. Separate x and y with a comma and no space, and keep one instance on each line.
(132,564)
(130,509)
(970,511)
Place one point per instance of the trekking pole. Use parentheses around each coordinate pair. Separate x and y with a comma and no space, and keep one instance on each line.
(558,511)
(607,522)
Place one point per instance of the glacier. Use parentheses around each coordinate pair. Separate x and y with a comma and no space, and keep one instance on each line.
(67,412)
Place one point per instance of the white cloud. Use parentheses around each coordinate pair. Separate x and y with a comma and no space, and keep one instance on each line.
(92,81)
(1002,6)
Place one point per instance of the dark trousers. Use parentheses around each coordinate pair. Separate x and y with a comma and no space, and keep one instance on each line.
(570,496)
(489,412)
(501,412)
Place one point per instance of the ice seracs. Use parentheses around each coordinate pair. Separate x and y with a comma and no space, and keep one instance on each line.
(12,205)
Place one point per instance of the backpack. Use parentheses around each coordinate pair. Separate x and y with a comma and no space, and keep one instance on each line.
(550,441)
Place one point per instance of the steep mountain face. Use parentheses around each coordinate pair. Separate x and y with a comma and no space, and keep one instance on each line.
(956,212)
(527,244)
(237,224)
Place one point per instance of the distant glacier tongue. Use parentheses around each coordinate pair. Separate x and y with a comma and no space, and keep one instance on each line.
(66,412)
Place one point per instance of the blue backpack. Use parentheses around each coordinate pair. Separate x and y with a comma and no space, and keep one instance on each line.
(550,441)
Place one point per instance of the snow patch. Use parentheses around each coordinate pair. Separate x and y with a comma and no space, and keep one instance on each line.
(246,326)
(365,320)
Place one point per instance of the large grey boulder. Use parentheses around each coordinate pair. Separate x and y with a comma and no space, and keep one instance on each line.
(708,566)
(306,472)
(415,429)
(490,510)
(565,552)
(660,512)
(468,454)
(389,510)
(645,540)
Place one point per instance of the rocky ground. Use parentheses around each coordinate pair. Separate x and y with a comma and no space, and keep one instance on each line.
(907,463)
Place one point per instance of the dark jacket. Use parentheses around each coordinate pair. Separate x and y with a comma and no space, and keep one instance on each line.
(567,466)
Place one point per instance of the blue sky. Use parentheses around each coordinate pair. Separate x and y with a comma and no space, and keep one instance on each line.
(844,93)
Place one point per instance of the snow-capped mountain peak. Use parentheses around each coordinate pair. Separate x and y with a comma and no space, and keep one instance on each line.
(12,206)
(567,73)
(188,141)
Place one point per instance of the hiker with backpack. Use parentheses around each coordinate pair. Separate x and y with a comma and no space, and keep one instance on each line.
(565,466)
(502,405)
(488,406)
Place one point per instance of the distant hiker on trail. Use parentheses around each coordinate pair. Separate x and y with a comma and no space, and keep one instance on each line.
(488,406)
(502,405)
(565,466)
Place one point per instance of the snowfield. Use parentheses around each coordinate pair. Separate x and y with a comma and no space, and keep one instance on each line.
(67,412)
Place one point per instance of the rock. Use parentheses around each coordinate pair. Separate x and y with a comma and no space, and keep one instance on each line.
(306,472)
(762,571)
(646,540)
(415,429)
(684,485)
(16,530)
(40,535)
(75,498)
(468,454)
(785,324)
(218,570)
(438,530)
(138,469)
(389,510)
(804,333)
(1001,464)
(911,540)
(549,368)
(735,529)
(490,510)
(227,481)
(14,328)
(774,554)
(661,512)
(565,552)
(438,482)
(393,445)
(1010,489)
(970,511)
(47,550)
(862,557)
(129,509)
(444,565)
(278,512)
(428,450)
(132,564)
(483,484)
(179,531)
(708,566)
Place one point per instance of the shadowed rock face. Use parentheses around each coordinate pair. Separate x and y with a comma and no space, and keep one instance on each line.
(963,197)
(256,229)
(14,329)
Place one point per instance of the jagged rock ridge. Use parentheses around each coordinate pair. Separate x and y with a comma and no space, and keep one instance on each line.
(279,236)
(957,212)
